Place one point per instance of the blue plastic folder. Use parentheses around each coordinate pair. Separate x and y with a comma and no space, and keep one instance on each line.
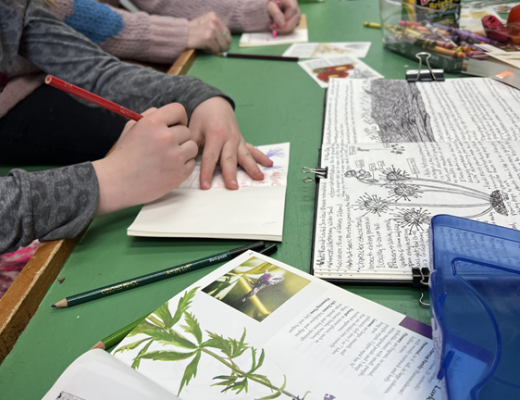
(475,298)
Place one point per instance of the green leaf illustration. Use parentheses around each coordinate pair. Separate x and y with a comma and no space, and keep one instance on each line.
(238,347)
(279,391)
(137,360)
(164,355)
(163,313)
(144,327)
(130,346)
(172,337)
(260,360)
(219,342)
(190,371)
(193,327)
(184,304)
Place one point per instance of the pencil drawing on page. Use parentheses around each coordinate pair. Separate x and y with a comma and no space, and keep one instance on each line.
(408,197)
(397,112)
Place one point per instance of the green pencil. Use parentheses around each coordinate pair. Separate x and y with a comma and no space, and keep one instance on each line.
(116,337)
(154,276)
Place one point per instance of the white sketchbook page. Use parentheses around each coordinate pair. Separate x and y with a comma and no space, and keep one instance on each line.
(389,111)
(96,375)
(248,213)
(322,341)
(347,67)
(255,211)
(374,209)
(257,39)
(324,50)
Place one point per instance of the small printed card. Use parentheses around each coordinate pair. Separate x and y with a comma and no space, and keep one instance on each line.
(258,39)
(324,69)
(325,50)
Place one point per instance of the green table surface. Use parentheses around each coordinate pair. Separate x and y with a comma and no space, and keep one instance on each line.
(275,102)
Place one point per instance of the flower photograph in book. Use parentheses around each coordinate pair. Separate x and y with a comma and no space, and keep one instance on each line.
(256,288)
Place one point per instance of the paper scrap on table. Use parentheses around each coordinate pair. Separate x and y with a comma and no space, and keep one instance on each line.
(321,70)
(325,50)
(257,39)
(511,58)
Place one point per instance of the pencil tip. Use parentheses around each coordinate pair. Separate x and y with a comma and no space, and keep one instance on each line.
(98,345)
(61,304)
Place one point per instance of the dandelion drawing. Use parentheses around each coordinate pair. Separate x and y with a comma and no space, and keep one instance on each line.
(411,192)
(373,204)
(413,218)
(185,339)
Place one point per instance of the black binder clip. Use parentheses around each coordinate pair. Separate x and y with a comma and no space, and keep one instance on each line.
(420,279)
(319,173)
(430,75)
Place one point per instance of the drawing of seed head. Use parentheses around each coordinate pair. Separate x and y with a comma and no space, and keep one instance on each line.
(393,174)
(372,204)
(413,218)
(497,199)
(403,191)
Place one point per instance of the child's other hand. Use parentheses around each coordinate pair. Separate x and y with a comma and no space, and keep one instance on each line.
(213,125)
(285,15)
(208,33)
(152,157)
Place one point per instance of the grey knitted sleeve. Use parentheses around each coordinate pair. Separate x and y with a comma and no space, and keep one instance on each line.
(47,205)
(59,50)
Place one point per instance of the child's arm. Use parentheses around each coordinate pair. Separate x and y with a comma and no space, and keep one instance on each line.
(152,157)
(238,15)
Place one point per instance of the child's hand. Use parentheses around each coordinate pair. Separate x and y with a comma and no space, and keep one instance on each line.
(285,15)
(152,157)
(208,33)
(213,125)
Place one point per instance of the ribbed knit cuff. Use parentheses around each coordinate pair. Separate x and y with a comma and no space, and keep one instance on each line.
(253,16)
(169,38)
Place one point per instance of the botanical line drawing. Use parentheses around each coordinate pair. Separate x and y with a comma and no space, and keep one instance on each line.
(404,192)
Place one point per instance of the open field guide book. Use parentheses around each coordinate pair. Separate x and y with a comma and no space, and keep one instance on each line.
(255,211)
(398,153)
(257,328)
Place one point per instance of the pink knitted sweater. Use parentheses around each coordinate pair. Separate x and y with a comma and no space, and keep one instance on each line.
(158,38)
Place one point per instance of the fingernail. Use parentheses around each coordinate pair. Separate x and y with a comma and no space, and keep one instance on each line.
(205,185)
(234,183)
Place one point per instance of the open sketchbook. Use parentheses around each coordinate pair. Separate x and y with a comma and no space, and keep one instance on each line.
(398,153)
(255,211)
(259,329)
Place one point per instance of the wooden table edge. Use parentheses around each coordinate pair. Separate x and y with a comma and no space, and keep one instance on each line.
(22,299)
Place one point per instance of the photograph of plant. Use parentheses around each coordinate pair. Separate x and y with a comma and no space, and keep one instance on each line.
(187,342)
(256,288)
(407,197)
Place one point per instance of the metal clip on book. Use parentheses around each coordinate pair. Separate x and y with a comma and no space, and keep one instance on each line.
(420,279)
(430,75)
(319,173)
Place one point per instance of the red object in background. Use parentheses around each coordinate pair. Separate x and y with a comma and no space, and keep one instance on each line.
(494,28)
(339,71)
(513,24)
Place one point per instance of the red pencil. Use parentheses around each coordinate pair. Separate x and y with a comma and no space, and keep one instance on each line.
(93,98)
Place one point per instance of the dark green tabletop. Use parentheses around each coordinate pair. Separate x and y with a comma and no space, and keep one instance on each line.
(275,102)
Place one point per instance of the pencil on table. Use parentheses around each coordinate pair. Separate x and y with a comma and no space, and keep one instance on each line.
(259,57)
(116,337)
(154,276)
